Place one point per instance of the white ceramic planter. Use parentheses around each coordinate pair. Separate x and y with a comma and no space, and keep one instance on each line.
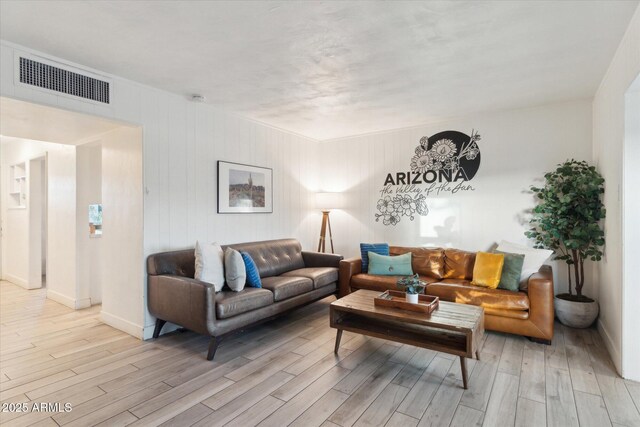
(576,314)
(412,298)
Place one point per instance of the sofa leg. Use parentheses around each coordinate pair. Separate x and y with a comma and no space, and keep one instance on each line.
(159,324)
(213,346)
(540,340)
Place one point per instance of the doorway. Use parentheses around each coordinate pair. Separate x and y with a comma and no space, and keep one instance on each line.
(58,169)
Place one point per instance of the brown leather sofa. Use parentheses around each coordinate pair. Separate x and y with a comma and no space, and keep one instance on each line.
(290,278)
(448,274)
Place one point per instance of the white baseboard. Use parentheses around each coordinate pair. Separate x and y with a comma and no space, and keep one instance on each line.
(83,303)
(76,304)
(17,281)
(122,324)
(614,352)
(168,327)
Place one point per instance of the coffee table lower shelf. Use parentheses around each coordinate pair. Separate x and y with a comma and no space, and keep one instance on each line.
(443,340)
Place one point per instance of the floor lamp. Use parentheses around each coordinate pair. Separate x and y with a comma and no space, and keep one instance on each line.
(326,202)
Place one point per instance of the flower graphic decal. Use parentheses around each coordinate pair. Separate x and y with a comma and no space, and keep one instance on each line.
(470,150)
(385,205)
(452,163)
(444,154)
(472,153)
(421,205)
(422,162)
(444,149)
(448,157)
(391,218)
(407,206)
(391,210)
(424,141)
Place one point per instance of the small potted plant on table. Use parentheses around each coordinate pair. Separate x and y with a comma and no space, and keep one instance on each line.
(412,286)
(567,220)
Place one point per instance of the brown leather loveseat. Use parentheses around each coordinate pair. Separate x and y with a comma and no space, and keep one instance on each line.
(448,274)
(290,278)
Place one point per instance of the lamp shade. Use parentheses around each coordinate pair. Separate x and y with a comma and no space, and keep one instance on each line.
(328,201)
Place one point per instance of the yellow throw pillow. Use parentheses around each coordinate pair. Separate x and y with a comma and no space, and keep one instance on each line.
(487,270)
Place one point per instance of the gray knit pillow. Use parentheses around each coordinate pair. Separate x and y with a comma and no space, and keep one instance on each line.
(234,270)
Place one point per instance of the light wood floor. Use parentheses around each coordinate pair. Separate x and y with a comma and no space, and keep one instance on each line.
(285,373)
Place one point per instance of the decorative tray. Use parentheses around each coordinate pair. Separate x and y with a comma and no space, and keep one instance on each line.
(426,303)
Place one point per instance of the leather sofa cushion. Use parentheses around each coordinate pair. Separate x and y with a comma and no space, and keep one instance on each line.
(321,276)
(424,261)
(380,283)
(273,257)
(461,291)
(284,287)
(230,303)
(458,264)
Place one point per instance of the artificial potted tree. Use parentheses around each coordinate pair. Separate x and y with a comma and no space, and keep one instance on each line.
(412,286)
(567,221)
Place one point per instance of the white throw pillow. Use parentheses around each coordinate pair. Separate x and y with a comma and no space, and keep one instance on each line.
(533,258)
(210,264)
(234,270)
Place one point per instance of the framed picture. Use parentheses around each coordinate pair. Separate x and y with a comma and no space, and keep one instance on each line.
(244,188)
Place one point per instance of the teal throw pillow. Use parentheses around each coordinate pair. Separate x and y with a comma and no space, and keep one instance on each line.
(511,270)
(365,248)
(399,265)
(253,276)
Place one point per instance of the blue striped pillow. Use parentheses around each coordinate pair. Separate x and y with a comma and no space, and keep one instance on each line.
(378,248)
(253,276)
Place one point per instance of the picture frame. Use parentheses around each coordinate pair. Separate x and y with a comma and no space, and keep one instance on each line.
(244,188)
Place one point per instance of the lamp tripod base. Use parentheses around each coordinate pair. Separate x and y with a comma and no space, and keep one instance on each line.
(326,224)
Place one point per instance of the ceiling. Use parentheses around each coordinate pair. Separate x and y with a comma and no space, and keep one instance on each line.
(25,120)
(329,69)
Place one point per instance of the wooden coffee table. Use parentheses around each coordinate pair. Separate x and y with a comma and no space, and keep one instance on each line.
(453,328)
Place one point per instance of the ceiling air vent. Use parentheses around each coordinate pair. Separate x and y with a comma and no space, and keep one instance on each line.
(63,81)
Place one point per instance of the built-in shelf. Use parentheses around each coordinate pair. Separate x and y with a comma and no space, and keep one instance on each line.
(18,186)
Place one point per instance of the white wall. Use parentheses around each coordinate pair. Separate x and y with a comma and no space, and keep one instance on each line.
(517,148)
(631,234)
(89,184)
(37,219)
(61,253)
(181,143)
(618,317)
(122,240)
(2,202)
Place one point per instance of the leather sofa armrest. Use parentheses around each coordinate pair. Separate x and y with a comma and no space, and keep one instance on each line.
(541,295)
(348,268)
(187,302)
(319,259)
(541,281)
